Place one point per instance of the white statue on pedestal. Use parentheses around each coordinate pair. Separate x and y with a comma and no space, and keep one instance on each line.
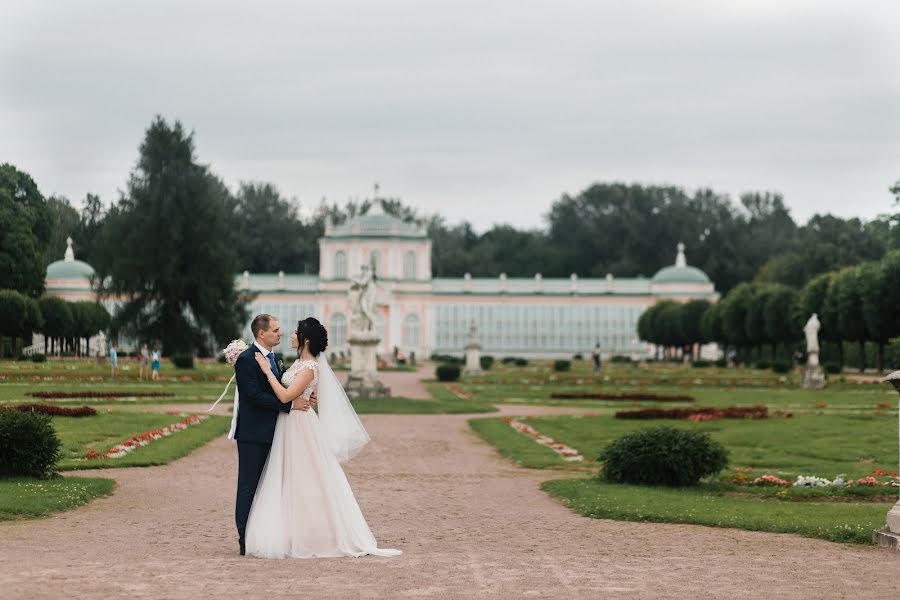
(473,352)
(811,329)
(361,297)
(363,380)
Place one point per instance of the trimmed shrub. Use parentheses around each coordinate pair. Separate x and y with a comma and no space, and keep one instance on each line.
(781,366)
(701,364)
(487,362)
(562,365)
(721,363)
(28,444)
(578,356)
(38,358)
(833,368)
(763,364)
(447,372)
(521,362)
(96,394)
(56,411)
(183,360)
(662,456)
(620,359)
(508,360)
(701,414)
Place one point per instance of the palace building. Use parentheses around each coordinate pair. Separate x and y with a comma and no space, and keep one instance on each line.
(421,314)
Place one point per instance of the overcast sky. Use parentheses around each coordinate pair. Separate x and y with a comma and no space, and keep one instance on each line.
(486,111)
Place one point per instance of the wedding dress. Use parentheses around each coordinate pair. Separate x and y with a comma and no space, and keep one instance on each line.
(304,507)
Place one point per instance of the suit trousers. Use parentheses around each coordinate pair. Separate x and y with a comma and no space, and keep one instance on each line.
(251,460)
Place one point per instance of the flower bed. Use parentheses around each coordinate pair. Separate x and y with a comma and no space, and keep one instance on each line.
(702,414)
(459,392)
(636,396)
(136,441)
(55,411)
(813,481)
(566,452)
(90,394)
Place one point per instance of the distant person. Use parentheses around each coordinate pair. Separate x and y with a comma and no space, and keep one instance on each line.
(114,360)
(144,357)
(595,355)
(154,364)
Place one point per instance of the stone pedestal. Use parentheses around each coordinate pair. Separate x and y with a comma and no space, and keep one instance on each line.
(363,381)
(813,378)
(473,360)
(889,537)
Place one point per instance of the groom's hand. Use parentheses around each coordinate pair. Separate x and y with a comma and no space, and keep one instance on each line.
(300,404)
(313,399)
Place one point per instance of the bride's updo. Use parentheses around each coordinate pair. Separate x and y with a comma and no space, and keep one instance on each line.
(310,329)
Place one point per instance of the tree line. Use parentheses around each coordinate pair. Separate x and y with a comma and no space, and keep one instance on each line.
(857,305)
(173,242)
(62,323)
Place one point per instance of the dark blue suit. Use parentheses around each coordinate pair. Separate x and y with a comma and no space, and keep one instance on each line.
(257,415)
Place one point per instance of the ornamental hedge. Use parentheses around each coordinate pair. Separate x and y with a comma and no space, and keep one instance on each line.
(627,396)
(28,444)
(56,411)
(662,456)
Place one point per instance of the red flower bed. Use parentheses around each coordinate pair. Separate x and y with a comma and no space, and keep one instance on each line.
(701,414)
(56,411)
(90,394)
(630,396)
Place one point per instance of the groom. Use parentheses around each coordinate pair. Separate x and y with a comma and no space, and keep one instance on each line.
(259,408)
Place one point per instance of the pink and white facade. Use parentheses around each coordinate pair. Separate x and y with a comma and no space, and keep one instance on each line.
(422,314)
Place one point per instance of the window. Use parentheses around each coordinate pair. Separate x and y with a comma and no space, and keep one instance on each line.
(409,265)
(340,265)
(375,261)
(411,331)
(338,325)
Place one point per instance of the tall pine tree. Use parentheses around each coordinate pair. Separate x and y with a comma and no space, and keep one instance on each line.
(167,251)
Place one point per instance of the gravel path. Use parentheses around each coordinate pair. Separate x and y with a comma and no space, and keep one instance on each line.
(470,523)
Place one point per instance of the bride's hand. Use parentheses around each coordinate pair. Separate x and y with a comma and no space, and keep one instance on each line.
(263,363)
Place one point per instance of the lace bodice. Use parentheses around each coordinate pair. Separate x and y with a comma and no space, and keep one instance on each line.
(299,365)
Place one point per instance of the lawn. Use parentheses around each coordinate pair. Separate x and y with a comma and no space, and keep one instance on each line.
(102,432)
(833,521)
(28,497)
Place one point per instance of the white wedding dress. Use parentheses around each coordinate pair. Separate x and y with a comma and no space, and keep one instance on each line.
(304,507)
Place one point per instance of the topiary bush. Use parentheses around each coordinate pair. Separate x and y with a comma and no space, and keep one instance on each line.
(487,362)
(447,372)
(662,456)
(781,366)
(763,364)
(562,365)
(38,358)
(833,368)
(701,364)
(183,360)
(28,444)
(521,362)
(578,356)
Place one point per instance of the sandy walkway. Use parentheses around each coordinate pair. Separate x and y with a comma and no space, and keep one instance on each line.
(470,524)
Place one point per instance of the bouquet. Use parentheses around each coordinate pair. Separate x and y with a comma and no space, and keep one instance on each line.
(232,351)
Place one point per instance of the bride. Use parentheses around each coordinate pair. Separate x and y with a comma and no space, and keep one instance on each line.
(304,507)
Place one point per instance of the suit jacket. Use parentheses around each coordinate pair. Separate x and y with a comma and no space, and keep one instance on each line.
(260,406)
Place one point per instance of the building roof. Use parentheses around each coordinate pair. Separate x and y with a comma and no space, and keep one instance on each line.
(375,223)
(272,282)
(534,285)
(680,272)
(68,267)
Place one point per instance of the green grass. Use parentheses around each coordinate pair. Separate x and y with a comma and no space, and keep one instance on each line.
(100,433)
(836,522)
(26,497)
(519,448)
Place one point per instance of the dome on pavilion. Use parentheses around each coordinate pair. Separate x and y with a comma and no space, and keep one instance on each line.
(680,272)
(69,267)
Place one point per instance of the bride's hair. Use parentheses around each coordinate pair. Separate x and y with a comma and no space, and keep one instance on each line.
(310,329)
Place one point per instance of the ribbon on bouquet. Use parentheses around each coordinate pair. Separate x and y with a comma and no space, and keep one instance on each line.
(225,391)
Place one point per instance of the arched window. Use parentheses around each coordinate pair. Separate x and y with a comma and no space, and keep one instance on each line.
(411,331)
(340,265)
(409,265)
(337,334)
(375,261)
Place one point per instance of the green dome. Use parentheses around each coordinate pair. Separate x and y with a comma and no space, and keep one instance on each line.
(680,275)
(375,224)
(69,269)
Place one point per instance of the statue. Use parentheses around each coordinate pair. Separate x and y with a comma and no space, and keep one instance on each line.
(363,381)
(813,375)
(811,329)
(473,352)
(361,297)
